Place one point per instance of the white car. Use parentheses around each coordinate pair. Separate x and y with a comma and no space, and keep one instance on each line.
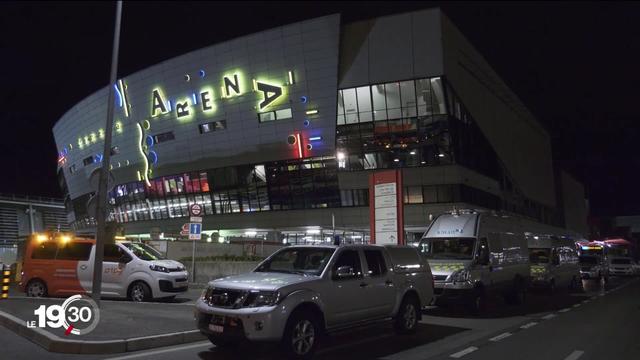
(621,266)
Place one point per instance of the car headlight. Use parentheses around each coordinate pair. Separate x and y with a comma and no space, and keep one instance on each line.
(462,275)
(262,298)
(158,268)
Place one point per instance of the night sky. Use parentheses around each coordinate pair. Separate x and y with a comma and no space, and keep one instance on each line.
(575,65)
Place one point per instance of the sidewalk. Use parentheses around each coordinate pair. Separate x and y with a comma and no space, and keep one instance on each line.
(124,325)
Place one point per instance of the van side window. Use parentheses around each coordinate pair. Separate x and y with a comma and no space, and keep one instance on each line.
(349,258)
(74,251)
(46,250)
(375,262)
(112,253)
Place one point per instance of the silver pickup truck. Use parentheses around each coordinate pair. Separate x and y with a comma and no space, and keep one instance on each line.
(300,293)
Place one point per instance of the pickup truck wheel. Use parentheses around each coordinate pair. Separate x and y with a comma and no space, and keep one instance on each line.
(301,336)
(406,321)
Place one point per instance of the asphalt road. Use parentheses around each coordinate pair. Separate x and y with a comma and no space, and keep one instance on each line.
(602,323)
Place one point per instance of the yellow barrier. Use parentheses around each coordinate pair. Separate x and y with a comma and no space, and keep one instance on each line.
(6,278)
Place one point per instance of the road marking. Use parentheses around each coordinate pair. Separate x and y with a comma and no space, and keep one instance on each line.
(531,324)
(464,352)
(500,337)
(550,316)
(574,355)
(576,305)
(156,352)
(564,310)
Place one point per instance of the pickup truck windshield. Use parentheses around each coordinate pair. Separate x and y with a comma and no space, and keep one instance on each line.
(447,248)
(144,252)
(591,260)
(539,255)
(305,261)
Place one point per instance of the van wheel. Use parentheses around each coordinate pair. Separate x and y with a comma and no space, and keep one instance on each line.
(406,320)
(518,294)
(139,292)
(36,288)
(301,336)
(479,301)
(575,285)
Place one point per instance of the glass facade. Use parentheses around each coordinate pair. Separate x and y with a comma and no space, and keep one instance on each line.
(400,124)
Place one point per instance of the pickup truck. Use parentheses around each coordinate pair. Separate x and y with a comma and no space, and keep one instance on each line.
(301,293)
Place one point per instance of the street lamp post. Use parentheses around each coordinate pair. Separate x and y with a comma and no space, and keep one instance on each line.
(101,197)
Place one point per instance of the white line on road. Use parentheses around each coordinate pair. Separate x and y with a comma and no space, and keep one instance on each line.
(156,352)
(500,337)
(526,326)
(464,352)
(564,310)
(550,316)
(576,305)
(574,355)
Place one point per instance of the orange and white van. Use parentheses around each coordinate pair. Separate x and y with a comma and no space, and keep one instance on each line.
(62,265)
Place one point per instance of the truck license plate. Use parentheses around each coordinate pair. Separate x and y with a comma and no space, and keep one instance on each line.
(216,328)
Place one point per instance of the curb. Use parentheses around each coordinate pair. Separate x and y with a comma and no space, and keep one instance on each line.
(54,343)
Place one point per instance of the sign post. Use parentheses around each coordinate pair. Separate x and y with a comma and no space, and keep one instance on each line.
(195,233)
(386,207)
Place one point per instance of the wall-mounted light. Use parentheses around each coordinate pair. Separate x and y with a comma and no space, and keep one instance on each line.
(202,73)
(311,112)
(315,138)
(412,152)
(291,139)
(306,122)
(309,146)
(291,79)
(304,99)
(340,155)
(441,155)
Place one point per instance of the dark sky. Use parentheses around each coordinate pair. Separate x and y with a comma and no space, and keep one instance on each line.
(575,65)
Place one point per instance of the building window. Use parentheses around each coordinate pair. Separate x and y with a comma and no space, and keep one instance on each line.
(88,160)
(282,114)
(164,137)
(213,126)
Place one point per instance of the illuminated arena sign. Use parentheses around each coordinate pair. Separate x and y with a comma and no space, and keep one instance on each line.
(204,99)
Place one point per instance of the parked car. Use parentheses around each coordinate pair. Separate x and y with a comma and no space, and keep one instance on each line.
(302,292)
(62,265)
(473,255)
(636,268)
(554,263)
(621,266)
(593,267)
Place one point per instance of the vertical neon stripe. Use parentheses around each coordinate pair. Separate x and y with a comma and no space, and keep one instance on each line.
(299,145)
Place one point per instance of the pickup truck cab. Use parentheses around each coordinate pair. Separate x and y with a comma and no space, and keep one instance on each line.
(302,292)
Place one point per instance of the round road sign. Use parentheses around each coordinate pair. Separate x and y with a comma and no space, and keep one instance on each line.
(195,210)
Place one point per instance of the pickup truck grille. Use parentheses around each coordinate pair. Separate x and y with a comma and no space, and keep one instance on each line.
(224,298)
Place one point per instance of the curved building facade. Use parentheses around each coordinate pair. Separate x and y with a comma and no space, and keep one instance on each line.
(277,132)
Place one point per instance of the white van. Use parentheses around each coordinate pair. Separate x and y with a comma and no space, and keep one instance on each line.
(473,255)
(554,263)
(62,265)
(621,266)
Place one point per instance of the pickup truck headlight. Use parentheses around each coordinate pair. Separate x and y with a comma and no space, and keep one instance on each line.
(158,268)
(262,298)
(462,275)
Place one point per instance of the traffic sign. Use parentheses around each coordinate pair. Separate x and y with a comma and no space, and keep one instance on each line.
(195,231)
(195,209)
(185,230)
(195,219)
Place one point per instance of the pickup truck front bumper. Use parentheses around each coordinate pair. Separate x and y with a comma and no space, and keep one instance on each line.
(255,324)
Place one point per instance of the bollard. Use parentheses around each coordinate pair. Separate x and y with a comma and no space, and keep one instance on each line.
(6,278)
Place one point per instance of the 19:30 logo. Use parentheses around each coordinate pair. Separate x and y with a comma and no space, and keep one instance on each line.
(78,315)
